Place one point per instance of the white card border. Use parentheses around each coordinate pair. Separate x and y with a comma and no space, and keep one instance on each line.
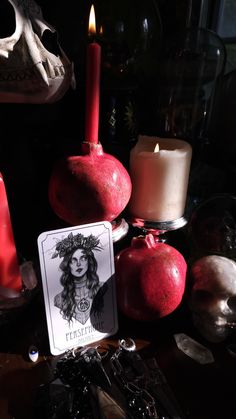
(97,335)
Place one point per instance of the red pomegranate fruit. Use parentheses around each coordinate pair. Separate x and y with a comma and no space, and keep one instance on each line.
(88,188)
(150,279)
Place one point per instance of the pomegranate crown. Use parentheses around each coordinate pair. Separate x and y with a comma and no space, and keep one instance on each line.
(71,243)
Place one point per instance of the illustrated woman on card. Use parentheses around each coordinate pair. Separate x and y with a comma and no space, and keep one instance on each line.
(82,294)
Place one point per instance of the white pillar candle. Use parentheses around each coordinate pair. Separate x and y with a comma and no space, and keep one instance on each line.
(159,171)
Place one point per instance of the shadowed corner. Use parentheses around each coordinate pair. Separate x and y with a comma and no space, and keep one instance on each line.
(103,306)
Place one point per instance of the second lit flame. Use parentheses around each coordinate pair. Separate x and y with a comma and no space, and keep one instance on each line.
(92,21)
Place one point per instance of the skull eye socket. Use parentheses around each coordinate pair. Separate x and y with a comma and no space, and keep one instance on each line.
(7,19)
(232,303)
(50,42)
(202,296)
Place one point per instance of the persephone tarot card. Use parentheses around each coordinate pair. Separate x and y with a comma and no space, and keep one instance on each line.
(77,269)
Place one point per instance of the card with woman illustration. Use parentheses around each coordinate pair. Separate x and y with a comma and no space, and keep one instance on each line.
(77,270)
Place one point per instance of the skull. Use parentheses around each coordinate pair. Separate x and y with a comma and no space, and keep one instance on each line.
(212,296)
(33,66)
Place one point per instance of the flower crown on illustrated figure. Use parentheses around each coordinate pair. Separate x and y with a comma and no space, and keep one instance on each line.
(71,243)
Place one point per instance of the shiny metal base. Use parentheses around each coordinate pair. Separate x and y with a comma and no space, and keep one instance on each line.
(158,227)
(119,229)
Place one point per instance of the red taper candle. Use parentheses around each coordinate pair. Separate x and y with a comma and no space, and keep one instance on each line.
(94,186)
(9,268)
(93,71)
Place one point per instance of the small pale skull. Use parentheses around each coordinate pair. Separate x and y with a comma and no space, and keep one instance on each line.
(212,296)
(33,66)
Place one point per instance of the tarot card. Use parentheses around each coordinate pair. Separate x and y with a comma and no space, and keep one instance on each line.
(77,270)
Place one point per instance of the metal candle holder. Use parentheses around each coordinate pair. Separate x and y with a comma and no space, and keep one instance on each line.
(158,228)
(120,229)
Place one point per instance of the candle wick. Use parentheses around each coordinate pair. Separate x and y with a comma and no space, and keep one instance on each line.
(92,37)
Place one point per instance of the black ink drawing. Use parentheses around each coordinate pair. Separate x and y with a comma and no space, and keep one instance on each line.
(82,294)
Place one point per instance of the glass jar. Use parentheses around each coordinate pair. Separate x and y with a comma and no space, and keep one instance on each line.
(188,75)
(130,34)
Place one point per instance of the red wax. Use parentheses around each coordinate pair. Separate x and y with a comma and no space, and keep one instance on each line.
(9,268)
(92,92)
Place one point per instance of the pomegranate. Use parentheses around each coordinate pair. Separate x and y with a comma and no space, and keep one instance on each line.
(150,278)
(89,188)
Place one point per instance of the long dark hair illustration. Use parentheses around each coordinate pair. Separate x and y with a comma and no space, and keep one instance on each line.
(79,278)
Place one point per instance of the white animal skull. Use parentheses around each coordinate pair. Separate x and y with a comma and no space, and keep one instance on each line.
(212,296)
(29,72)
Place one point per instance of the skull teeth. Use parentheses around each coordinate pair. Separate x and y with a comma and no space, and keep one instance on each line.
(49,69)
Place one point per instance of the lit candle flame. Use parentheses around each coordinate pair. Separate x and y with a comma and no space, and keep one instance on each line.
(92,21)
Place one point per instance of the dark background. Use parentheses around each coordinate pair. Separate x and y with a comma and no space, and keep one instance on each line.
(34,136)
